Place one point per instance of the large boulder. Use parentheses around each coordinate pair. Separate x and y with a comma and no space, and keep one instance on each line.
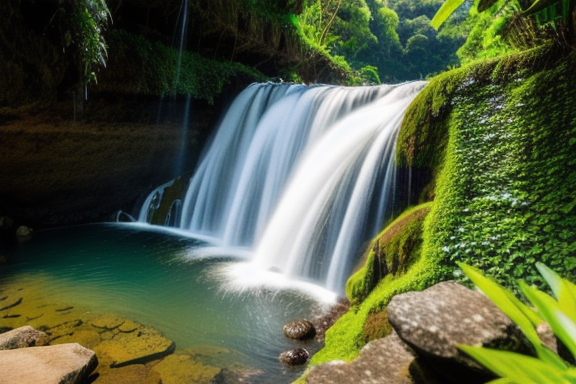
(435,321)
(54,364)
(385,360)
(22,337)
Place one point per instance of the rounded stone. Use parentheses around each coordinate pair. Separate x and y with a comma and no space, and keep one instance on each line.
(292,357)
(299,330)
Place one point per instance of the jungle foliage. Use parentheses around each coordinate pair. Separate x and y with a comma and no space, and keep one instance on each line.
(503,26)
(557,313)
(392,39)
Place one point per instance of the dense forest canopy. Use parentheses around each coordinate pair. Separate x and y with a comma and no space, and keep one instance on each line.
(310,41)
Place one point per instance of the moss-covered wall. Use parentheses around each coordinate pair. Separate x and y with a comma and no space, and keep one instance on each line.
(506,196)
(500,136)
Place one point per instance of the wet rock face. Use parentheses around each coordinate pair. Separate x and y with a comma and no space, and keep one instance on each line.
(299,330)
(293,357)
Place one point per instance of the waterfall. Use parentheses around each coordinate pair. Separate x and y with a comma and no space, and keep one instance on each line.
(301,176)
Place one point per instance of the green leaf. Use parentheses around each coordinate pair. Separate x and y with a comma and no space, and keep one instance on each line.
(444,12)
(504,380)
(562,326)
(551,277)
(564,290)
(518,368)
(507,303)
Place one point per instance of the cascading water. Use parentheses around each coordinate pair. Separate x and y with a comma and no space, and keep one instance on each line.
(301,176)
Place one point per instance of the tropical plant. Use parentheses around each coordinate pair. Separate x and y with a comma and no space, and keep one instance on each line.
(82,24)
(559,314)
(523,24)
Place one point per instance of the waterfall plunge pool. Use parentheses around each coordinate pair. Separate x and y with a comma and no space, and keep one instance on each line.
(161,279)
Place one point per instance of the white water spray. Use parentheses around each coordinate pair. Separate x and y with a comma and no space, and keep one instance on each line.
(303,176)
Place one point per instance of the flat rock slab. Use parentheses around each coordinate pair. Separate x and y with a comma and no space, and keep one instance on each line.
(54,364)
(382,361)
(22,337)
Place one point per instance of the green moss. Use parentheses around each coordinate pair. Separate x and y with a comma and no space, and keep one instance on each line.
(349,334)
(346,337)
(424,133)
(505,196)
(377,326)
(390,254)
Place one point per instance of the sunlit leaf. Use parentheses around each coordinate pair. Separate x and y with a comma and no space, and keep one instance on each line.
(561,325)
(444,12)
(518,368)
(564,290)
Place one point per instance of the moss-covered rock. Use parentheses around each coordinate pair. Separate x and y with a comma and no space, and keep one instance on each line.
(143,67)
(392,252)
(349,334)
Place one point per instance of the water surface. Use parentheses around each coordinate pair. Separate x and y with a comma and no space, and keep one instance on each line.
(156,278)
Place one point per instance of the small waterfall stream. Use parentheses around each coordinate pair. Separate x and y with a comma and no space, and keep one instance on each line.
(300,176)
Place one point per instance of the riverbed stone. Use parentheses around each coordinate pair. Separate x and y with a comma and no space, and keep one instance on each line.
(138,347)
(294,357)
(182,368)
(301,329)
(22,337)
(130,374)
(54,364)
(386,360)
(107,322)
(433,322)
(85,337)
(128,326)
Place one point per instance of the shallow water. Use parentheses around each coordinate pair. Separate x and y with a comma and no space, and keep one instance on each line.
(153,277)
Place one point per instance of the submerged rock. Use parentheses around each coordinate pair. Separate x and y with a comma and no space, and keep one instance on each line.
(182,368)
(22,337)
(299,330)
(130,374)
(138,347)
(54,364)
(293,357)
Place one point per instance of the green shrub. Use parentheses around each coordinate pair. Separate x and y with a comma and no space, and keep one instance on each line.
(140,66)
